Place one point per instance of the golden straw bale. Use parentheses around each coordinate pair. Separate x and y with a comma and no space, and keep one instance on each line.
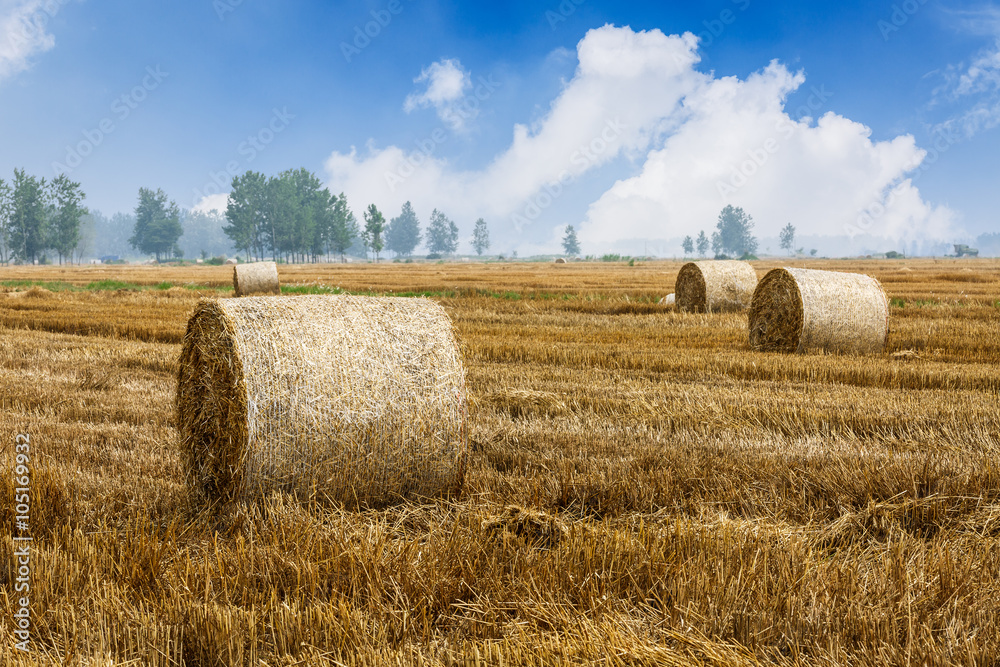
(256,278)
(356,400)
(37,292)
(715,286)
(795,310)
(560,260)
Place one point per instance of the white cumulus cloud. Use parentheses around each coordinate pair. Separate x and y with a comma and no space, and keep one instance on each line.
(739,146)
(22,34)
(695,143)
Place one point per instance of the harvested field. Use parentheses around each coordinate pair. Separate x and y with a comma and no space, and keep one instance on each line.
(642,488)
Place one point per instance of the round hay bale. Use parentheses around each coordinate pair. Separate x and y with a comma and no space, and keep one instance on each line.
(715,286)
(256,278)
(668,300)
(231,261)
(560,260)
(794,310)
(353,400)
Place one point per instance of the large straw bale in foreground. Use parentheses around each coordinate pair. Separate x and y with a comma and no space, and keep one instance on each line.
(715,286)
(795,310)
(256,278)
(357,400)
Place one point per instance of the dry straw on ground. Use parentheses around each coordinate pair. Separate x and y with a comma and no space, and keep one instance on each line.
(357,400)
(715,286)
(257,278)
(795,310)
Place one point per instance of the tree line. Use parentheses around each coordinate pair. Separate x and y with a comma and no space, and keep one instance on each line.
(39,216)
(292,216)
(733,236)
(289,216)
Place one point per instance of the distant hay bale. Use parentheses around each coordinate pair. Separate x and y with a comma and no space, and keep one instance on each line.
(355,400)
(795,310)
(668,300)
(715,286)
(231,261)
(257,278)
(560,260)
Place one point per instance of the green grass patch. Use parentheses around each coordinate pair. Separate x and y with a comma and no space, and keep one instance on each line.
(165,285)
(52,285)
(310,289)
(897,302)
(111,285)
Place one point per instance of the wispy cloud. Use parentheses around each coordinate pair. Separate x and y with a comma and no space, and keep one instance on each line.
(970,91)
(445,85)
(23,34)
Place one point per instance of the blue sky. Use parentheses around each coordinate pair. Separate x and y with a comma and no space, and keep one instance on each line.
(837,101)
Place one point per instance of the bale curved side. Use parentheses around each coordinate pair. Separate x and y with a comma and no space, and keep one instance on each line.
(354,400)
(256,278)
(715,286)
(806,309)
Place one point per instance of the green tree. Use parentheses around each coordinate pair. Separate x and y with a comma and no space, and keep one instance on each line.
(247,212)
(311,202)
(157,224)
(344,226)
(28,222)
(702,243)
(688,245)
(65,212)
(402,236)
(570,243)
(734,234)
(6,210)
(374,227)
(442,234)
(787,237)
(480,237)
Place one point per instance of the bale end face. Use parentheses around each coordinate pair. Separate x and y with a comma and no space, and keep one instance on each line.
(212,407)
(776,313)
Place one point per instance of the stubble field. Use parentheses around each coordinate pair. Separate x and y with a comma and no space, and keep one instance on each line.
(643,489)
